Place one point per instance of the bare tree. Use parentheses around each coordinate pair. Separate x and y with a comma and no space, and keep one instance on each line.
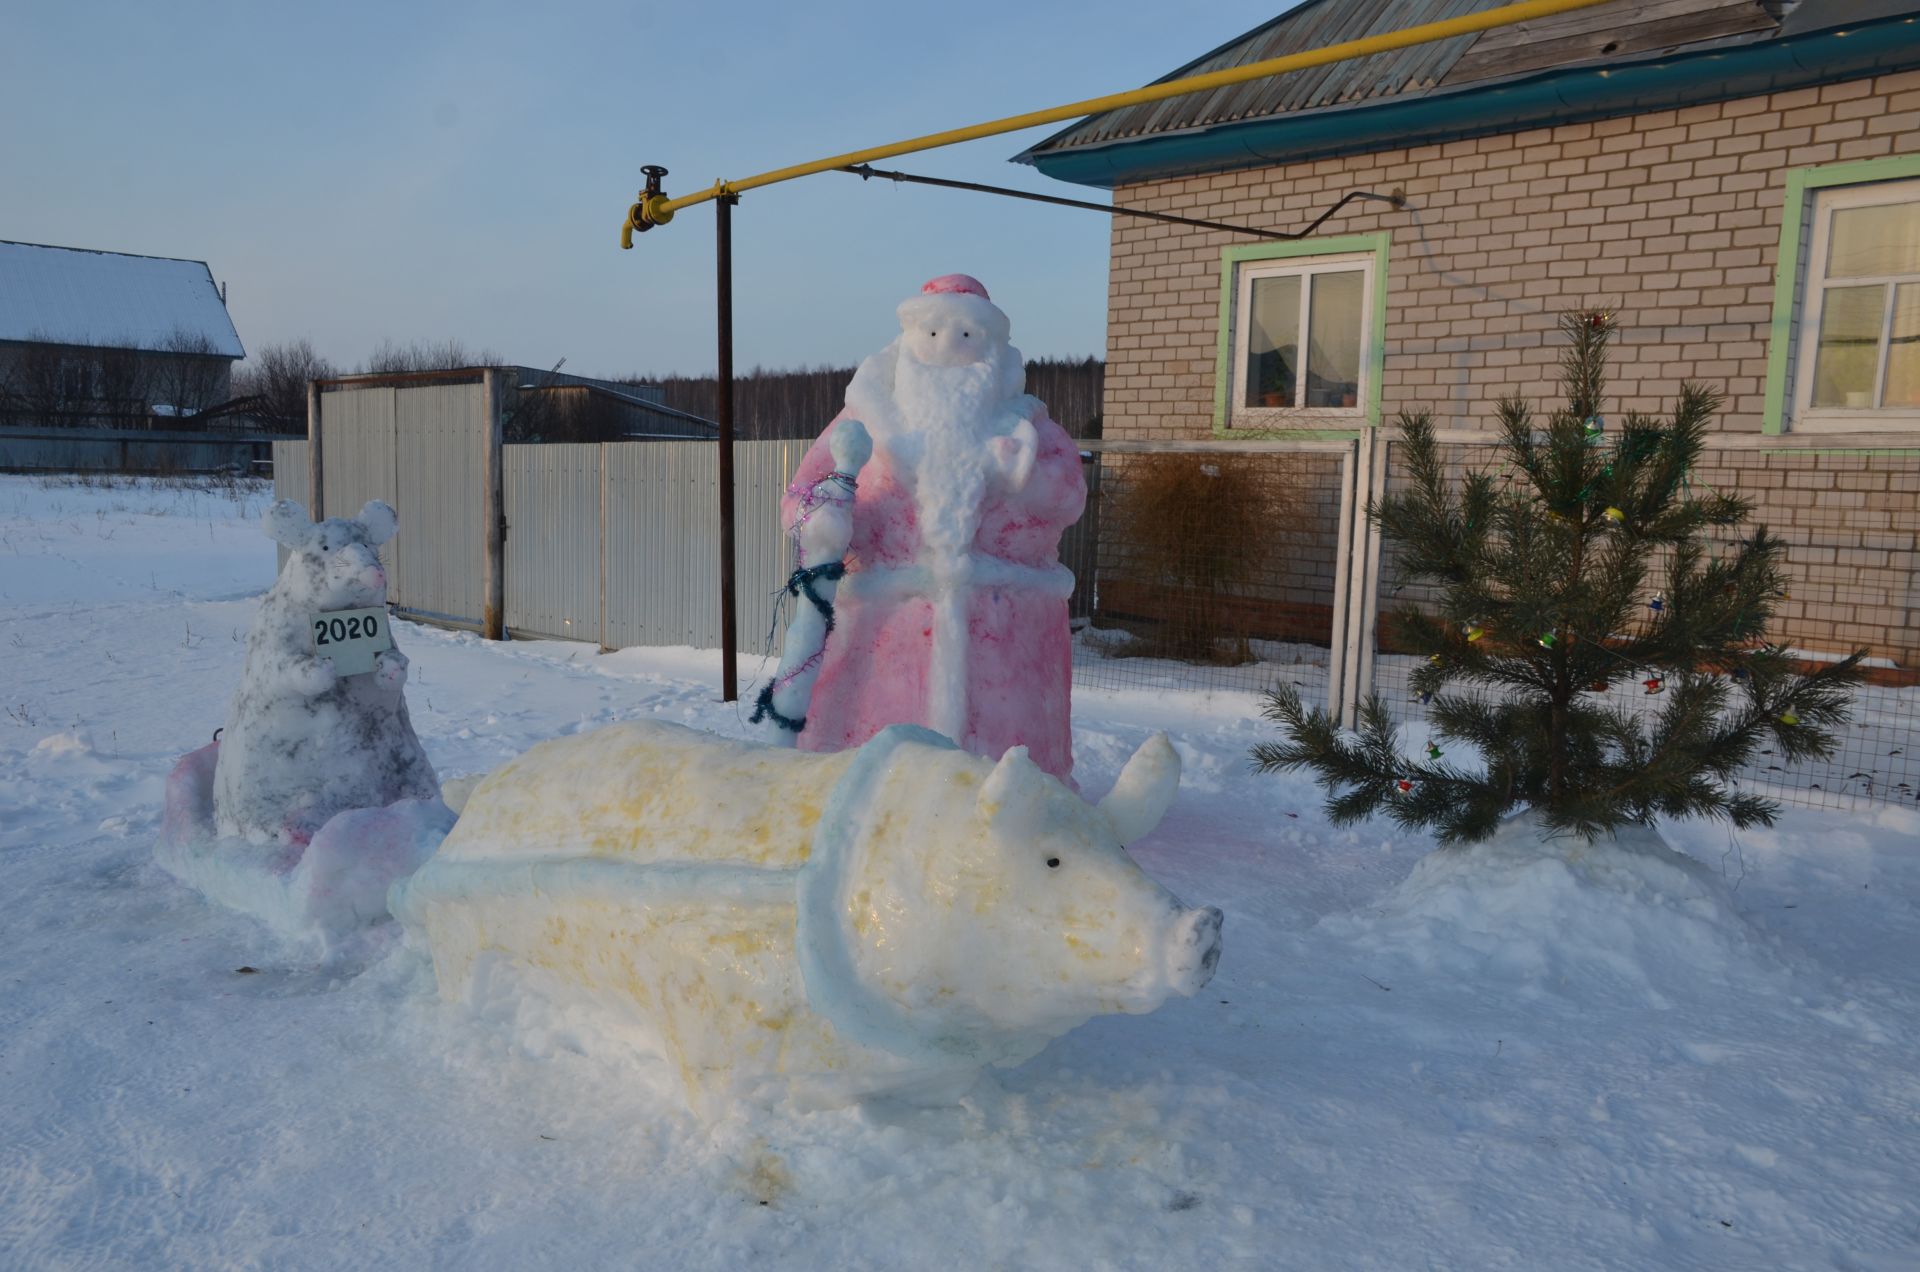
(120,384)
(390,357)
(279,373)
(189,376)
(42,381)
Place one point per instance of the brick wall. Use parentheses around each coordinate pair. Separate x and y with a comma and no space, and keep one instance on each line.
(1671,217)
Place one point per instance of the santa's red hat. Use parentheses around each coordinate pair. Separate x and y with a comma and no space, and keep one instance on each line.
(955,298)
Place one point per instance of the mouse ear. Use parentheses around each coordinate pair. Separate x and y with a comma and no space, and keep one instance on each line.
(380,521)
(287,522)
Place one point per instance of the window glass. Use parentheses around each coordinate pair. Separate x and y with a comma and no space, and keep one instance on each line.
(1874,240)
(1848,355)
(1273,342)
(1333,345)
(1903,350)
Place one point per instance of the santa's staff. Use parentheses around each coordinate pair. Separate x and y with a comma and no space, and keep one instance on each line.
(821,533)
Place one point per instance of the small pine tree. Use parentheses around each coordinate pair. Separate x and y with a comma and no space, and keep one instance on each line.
(1543,604)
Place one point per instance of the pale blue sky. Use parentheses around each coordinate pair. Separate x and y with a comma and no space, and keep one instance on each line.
(358,171)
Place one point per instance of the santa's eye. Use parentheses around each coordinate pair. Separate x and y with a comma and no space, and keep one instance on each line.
(966,335)
(1053,863)
(932,333)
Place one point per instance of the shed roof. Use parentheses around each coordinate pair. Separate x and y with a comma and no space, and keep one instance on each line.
(68,295)
(1292,111)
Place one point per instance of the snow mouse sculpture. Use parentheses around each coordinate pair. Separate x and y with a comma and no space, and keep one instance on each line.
(815,927)
(317,794)
(953,610)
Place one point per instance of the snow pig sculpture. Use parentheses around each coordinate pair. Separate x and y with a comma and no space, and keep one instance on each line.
(317,795)
(301,742)
(816,926)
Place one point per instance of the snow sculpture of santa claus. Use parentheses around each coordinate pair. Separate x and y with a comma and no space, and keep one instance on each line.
(952,613)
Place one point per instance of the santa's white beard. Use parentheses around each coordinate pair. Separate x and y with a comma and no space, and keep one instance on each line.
(944,419)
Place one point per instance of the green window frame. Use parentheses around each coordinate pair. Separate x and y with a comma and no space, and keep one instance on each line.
(1791,272)
(1375,248)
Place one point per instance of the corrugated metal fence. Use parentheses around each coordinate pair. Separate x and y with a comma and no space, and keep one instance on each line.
(127,450)
(615,543)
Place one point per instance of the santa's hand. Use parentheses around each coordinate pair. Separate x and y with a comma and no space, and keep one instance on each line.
(1014,454)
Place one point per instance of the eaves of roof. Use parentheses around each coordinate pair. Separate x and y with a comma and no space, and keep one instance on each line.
(1568,95)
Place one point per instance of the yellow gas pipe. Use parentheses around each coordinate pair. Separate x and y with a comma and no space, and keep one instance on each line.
(655,208)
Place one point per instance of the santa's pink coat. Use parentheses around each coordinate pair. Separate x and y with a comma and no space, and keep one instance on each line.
(1019,656)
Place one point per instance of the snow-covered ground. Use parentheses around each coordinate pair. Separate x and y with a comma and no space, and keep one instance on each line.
(1467,1063)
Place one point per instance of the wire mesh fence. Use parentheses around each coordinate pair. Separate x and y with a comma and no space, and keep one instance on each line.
(1210,569)
(1851,523)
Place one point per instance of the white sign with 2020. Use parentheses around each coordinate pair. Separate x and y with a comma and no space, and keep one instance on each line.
(351,638)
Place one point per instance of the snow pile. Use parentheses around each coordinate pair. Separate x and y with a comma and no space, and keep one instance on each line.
(302,741)
(317,795)
(783,926)
(1556,913)
(178,1093)
(320,894)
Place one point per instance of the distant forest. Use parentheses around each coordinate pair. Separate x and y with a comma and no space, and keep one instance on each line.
(774,404)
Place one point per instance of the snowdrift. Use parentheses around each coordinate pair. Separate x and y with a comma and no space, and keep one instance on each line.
(1545,913)
(321,892)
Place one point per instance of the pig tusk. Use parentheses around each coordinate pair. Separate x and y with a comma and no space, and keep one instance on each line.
(1145,790)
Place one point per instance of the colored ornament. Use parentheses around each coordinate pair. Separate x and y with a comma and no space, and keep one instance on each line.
(1549,639)
(1433,751)
(1404,785)
(1434,659)
(1657,605)
(1654,685)
(1599,686)
(1426,696)
(1475,632)
(1739,673)
(1615,515)
(1787,717)
(1596,426)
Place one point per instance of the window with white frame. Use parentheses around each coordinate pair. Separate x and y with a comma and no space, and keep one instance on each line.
(1302,348)
(1859,332)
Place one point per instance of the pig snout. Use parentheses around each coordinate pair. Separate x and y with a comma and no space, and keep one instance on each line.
(1193,950)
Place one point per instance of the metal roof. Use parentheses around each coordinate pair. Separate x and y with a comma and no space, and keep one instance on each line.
(1313,24)
(68,295)
(1620,58)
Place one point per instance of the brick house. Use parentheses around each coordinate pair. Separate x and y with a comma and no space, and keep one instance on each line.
(1738,179)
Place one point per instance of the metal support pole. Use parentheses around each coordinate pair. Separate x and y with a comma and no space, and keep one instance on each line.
(493,565)
(723,295)
(316,473)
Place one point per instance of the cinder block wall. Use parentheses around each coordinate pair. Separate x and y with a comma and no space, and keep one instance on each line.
(1672,218)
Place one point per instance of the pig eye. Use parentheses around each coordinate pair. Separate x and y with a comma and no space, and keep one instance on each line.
(1053,863)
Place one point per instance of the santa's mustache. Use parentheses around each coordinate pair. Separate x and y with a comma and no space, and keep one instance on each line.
(962,394)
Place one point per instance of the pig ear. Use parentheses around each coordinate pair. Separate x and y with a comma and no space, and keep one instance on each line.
(379,520)
(1145,790)
(1012,794)
(287,522)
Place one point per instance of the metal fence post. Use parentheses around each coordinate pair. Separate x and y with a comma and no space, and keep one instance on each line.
(316,479)
(493,576)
